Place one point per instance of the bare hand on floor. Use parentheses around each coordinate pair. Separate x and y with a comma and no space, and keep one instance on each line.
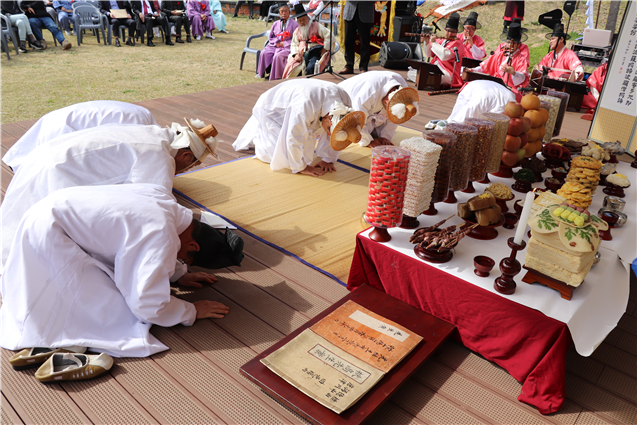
(326,167)
(312,171)
(195,280)
(207,309)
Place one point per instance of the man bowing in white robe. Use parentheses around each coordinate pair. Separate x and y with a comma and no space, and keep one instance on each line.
(74,118)
(289,119)
(109,154)
(90,267)
(374,93)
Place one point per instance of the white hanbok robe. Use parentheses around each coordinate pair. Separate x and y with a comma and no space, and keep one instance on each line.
(90,266)
(285,124)
(110,154)
(74,118)
(367,92)
(478,97)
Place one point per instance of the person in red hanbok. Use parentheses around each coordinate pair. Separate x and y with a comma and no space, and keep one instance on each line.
(473,44)
(564,60)
(509,61)
(447,52)
(594,83)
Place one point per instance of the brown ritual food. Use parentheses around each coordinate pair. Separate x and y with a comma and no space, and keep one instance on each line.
(463,154)
(447,141)
(482,147)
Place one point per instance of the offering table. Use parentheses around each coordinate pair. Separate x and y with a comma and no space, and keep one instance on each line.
(527,333)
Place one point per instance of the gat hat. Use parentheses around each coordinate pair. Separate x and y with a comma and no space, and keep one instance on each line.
(558,31)
(472,19)
(217,250)
(347,130)
(299,11)
(515,33)
(452,22)
(403,105)
(205,142)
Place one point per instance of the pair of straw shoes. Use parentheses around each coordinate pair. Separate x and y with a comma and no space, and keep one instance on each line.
(62,364)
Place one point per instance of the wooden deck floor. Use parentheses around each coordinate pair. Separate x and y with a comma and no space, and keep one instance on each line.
(197,380)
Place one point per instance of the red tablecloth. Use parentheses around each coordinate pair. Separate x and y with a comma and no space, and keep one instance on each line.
(528,344)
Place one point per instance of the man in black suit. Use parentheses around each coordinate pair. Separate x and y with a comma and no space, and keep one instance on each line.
(358,16)
(149,17)
(175,11)
(106,6)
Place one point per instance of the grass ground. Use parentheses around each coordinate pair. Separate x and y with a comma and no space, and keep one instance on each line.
(38,82)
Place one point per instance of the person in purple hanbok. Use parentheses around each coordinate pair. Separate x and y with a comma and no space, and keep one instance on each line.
(275,54)
(200,21)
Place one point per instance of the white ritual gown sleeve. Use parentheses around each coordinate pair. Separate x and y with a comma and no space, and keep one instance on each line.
(324,149)
(142,273)
(326,35)
(295,146)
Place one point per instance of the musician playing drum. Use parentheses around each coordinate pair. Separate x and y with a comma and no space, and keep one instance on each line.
(560,58)
(447,52)
(509,62)
(473,44)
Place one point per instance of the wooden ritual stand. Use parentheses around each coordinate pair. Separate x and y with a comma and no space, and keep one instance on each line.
(577,90)
(429,75)
(434,332)
(470,63)
(469,76)
(533,276)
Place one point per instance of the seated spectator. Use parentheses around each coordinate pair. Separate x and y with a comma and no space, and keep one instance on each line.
(274,56)
(39,18)
(317,6)
(310,44)
(65,15)
(175,12)
(200,21)
(19,20)
(149,17)
(106,6)
(217,16)
(48,4)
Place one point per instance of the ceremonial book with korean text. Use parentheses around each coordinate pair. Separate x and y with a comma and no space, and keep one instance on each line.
(343,356)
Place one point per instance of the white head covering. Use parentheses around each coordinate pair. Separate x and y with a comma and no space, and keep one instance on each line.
(337,112)
(186,138)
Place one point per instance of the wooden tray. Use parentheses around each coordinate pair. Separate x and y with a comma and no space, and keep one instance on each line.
(434,332)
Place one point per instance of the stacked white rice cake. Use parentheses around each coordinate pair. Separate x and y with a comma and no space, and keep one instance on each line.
(422,174)
(560,251)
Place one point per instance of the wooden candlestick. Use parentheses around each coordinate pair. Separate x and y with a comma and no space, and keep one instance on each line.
(509,267)
(634,163)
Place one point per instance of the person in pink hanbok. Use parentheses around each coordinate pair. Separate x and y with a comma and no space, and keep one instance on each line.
(275,54)
(561,59)
(200,21)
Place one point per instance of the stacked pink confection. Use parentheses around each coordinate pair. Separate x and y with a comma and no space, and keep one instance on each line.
(387,180)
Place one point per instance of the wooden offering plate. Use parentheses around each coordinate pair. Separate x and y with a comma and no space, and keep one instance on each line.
(533,276)
(503,203)
(485,233)
(614,190)
(434,255)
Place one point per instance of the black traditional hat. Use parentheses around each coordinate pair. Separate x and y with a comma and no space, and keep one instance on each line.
(452,22)
(515,33)
(216,249)
(299,11)
(558,31)
(472,19)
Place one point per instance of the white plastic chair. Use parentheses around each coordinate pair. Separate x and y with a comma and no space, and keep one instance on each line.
(273,12)
(7,32)
(248,49)
(87,16)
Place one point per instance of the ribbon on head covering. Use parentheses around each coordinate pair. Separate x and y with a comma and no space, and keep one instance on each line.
(337,112)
